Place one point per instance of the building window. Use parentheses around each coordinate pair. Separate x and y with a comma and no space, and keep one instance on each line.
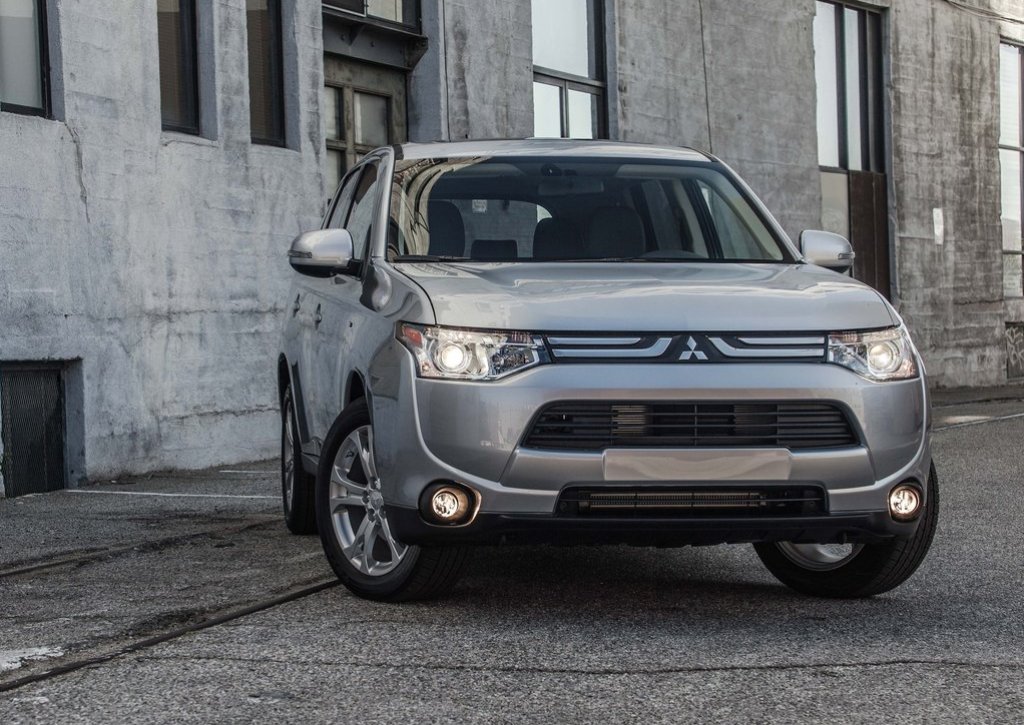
(395,11)
(266,74)
(24,71)
(848,70)
(179,79)
(568,69)
(355,123)
(1011,153)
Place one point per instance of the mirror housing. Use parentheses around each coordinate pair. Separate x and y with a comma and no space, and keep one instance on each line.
(323,253)
(826,249)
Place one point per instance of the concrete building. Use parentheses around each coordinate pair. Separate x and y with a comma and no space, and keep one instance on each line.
(156,157)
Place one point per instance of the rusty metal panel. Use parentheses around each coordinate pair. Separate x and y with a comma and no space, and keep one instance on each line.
(33,428)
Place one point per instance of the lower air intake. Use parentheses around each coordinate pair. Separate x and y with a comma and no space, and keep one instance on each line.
(680,502)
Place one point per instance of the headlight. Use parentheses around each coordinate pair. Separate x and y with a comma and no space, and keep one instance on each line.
(878,356)
(471,354)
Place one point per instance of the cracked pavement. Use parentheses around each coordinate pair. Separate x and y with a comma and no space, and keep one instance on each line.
(202,608)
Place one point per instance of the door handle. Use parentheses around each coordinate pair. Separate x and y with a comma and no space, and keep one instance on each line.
(296,305)
(318,317)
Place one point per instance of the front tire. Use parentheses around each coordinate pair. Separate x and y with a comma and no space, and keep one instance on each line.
(354,528)
(860,570)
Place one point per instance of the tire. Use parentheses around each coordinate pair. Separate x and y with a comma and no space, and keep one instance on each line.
(297,486)
(350,514)
(869,569)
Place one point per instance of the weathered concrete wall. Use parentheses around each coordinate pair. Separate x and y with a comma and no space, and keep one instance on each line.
(157,258)
(476,78)
(735,78)
(945,125)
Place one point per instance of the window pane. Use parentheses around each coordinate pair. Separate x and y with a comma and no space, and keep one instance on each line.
(335,169)
(582,115)
(266,94)
(387,9)
(371,119)
(547,111)
(176,36)
(854,99)
(332,114)
(1009,95)
(564,36)
(21,79)
(1009,166)
(826,77)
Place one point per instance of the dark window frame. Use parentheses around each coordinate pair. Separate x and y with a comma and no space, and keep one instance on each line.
(46,110)
(189,50)
(569,81)
(410,12)
(872,83)
(277,98)
(1019,149)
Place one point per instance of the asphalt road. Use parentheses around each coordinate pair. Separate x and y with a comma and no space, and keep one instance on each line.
(195,605)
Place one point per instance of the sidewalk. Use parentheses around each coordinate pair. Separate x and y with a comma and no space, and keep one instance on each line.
(944,397)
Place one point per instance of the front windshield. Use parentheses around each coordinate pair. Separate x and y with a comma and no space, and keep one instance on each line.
(556,209)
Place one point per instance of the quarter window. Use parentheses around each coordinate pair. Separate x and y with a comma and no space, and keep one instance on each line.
(1011,152)
(568,69)
(364,204)
(266,75)
(179,91)
(24,75)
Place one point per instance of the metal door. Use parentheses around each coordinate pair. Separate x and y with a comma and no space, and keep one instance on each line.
(32,425)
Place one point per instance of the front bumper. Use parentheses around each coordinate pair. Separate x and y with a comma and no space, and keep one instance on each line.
(429,430)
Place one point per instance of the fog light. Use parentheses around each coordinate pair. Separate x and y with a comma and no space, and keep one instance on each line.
(904,502)
(446,504)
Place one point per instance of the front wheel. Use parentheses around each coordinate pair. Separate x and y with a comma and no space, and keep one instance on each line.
(854,570)
(354,527)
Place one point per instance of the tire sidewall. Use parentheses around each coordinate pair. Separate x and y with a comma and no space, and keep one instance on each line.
(357,414)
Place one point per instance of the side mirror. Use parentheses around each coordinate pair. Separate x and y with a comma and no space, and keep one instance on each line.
(827,250)
(323,253)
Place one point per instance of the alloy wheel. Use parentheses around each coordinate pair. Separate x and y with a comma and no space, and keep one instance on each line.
(357,510)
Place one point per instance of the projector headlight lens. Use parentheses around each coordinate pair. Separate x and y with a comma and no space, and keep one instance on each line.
(479,355)
(877,356)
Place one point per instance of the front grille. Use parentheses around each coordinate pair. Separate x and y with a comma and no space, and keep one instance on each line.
(692,501)
(594,426)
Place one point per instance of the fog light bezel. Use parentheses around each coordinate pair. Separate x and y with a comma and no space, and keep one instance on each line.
(466,513)
(913,516)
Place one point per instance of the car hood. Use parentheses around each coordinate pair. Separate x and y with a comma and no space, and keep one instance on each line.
(648,297)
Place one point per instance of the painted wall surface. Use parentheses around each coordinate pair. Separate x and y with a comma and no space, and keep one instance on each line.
(157,258)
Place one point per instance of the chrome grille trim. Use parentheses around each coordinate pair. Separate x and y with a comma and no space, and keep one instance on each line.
(656,350)
(779,352)
(688,348)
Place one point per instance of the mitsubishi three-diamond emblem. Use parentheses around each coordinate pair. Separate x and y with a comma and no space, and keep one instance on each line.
(693,351)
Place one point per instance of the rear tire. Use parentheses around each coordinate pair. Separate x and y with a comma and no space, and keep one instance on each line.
(867,570)
(296,485)
(353,525)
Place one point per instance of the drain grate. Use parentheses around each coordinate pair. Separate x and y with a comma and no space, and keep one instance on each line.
(33,428)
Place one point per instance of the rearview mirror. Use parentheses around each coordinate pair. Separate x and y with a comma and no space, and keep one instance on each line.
(323,253)
(826,249)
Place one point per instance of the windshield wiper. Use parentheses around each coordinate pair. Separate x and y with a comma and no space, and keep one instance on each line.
(430,258)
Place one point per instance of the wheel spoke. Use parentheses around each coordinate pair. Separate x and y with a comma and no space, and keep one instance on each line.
(366,453)
(397,550)
(369,539)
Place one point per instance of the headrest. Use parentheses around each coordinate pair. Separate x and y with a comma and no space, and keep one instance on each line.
(447,230)
(557,239)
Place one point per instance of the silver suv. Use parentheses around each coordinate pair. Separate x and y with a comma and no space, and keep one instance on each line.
(558,341)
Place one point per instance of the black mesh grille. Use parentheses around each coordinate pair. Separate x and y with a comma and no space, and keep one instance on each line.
(693,502)
(596,426)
